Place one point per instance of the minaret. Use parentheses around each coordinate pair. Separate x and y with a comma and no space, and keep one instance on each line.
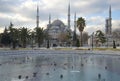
(110,21)
(69,15)
(74,34)
(49,18)
(75,22)
(106,26)
(110,11)
(37,17)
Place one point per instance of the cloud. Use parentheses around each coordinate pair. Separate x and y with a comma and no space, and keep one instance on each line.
(97,20)
(115,24)
(94,28)
(23,12)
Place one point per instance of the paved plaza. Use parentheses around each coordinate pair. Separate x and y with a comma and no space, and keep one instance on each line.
(59,65)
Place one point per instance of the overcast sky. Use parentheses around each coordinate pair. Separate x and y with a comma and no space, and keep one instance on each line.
(23,12)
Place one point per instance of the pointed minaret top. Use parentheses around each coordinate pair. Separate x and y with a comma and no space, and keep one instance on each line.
(49,18)
(37,17)
(110,21)
(75,22)
(69,15)
(110,11)
(37,9)
(69,6)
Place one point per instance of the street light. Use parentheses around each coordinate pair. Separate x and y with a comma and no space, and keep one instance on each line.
(32,38)
(92,40)
(48,44)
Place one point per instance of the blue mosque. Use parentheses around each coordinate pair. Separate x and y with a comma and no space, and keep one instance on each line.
(57,28)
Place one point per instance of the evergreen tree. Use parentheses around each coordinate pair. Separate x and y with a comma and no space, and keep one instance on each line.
(14,35)
(100,36)
(78,43)
(24,36)
(5,38)
(39,35)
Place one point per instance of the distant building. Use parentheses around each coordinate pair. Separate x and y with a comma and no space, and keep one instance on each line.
(108,34)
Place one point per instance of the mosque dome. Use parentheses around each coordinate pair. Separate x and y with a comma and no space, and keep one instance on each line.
(58,23)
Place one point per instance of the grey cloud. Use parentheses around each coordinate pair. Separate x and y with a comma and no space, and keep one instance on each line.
(58,10)
(4,22)
(8,6)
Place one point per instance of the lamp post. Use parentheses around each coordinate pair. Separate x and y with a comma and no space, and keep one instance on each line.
(32,39)
(92,40)
(107,41)
(48,44)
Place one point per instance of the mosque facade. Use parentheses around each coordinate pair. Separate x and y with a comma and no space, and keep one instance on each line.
(57,28)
